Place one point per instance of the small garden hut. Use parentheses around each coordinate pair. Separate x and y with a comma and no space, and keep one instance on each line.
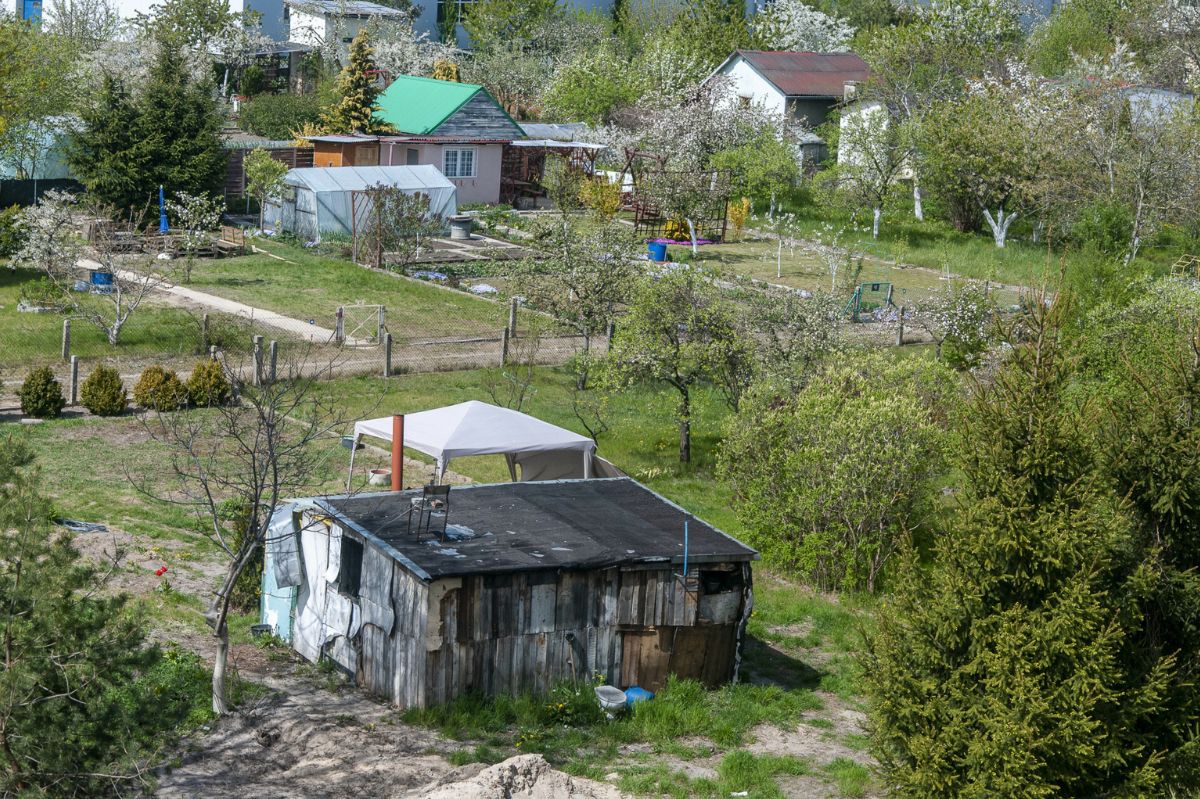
(527,584)
(320,200)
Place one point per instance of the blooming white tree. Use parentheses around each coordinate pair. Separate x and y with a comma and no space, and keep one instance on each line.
(958,315)
(797,26)
(399,50)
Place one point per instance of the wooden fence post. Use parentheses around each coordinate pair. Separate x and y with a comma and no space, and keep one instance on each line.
(272,360)
(204,330)
(382,329)
(504,347)
(512,318)
(387,354)
(258,360)
(339,328)
(66,340)
(900,328)
(74,380)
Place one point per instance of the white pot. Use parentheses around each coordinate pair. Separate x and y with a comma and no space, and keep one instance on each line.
(380,477)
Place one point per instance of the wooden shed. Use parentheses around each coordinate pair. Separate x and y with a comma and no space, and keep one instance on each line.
(535,583)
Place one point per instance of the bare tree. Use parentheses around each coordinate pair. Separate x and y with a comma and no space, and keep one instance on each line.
(512,384)
(257,451)
(55,246)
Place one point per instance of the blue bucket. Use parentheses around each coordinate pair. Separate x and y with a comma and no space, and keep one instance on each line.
(657,250)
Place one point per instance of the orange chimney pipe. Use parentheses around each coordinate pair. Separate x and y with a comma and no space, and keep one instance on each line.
(397,452)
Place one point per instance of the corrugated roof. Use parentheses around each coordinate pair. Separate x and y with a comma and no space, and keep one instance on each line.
(418,105)
(342,138)
(558,131)
(807,74)
(356,178)
(348,8)
(559,524)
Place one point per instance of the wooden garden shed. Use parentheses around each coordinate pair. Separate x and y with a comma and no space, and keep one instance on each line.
(532,584)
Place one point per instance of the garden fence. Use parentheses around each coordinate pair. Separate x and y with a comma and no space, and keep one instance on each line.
(350,340)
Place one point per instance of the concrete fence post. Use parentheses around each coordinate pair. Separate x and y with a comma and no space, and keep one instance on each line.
(212,351)
(504,347)
(382,328)
(339,328)
(66,340)
(387,354)
(272,360)
(512,318)
(204,330)
(900,327)
(74,380)
(258,360)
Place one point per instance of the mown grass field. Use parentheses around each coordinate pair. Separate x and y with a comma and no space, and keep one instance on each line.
(36,338)
(312,286)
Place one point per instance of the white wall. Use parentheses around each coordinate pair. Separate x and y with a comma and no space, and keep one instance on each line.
(307,28)
(746,82)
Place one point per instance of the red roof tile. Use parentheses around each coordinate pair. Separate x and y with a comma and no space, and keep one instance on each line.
(807,74)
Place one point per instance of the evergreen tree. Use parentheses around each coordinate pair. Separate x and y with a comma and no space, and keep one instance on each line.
(179,129)
(355,106)
(67,649)
(101,152)
(169,135)
(1013,667)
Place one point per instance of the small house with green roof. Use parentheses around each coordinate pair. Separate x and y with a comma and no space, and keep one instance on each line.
(457,127)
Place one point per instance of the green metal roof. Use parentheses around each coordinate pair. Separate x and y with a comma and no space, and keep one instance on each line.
(418,105)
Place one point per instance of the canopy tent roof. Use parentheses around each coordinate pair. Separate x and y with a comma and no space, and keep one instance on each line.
(478,428)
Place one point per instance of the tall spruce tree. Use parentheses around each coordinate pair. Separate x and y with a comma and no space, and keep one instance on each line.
(1013,667)
(101,153)
(355,107)
(168,135)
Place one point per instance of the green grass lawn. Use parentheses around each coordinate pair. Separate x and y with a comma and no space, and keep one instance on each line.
(36,338)
(800,268)
(313,286)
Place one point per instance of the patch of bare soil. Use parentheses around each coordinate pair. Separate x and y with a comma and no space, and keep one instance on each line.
(306,741)
(521,777)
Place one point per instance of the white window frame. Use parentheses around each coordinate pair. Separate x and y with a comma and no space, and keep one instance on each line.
(457,172)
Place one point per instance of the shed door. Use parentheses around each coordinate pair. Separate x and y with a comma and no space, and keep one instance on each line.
(31,10)
(412,157)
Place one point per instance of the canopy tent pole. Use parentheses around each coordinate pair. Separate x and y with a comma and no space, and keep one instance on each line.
(441,471)
(353,449)
(511,460)
(587,464)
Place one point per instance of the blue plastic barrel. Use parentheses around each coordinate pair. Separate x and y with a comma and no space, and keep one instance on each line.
(657,250)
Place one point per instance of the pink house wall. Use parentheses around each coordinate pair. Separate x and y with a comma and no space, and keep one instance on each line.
(483,188)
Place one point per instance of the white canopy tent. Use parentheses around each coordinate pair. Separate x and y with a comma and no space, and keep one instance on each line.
(544,451)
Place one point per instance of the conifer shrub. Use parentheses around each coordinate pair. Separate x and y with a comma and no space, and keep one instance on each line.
(207,386)
(41,395)
(159,389)
(103,393)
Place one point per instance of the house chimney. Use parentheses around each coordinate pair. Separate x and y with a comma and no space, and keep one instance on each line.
(397,452)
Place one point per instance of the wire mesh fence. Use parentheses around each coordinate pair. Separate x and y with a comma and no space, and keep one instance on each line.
(345,341)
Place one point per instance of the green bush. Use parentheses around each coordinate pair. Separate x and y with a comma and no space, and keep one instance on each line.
(41,395)
(103,393)
(12,237)
(276,116)
(1103,227)
(254,80)
(207,386)
(159,389)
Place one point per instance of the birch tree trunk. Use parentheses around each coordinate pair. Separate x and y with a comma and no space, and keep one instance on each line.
(918,208)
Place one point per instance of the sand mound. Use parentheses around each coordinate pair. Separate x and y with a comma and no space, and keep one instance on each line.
(521,777)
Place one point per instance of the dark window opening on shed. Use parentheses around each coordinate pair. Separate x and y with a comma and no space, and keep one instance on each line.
(720,582)
(350,570)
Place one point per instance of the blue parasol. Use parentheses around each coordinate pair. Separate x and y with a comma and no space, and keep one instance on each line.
(163,227)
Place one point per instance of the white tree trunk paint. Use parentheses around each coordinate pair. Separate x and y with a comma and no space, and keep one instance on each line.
(878,212)
(692,233)
(999,224)
(220,704)
(918,209)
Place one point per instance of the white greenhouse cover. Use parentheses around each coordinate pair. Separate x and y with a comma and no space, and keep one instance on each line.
(478,428)
(325,192)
